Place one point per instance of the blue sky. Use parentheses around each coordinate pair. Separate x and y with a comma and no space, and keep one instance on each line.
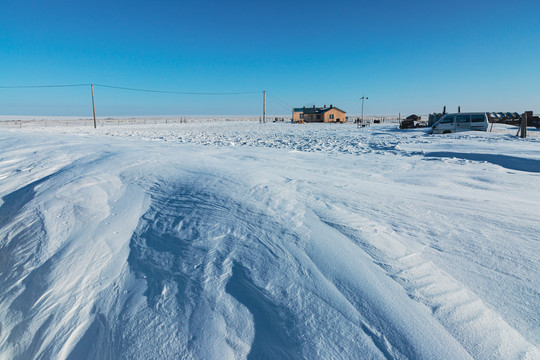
(406,56)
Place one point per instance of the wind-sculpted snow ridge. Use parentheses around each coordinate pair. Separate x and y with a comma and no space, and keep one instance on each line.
(132,249)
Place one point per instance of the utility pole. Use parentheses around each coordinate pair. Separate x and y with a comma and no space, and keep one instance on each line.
(362,98)
(264,107)
(93,105)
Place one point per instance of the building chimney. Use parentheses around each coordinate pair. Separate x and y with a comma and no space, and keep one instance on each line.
(314,106)
(331,106)
(459,109)
(325,106)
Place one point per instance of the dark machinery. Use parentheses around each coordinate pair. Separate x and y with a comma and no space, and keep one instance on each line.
(410,122)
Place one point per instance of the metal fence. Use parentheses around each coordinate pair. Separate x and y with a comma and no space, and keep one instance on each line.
(104,122)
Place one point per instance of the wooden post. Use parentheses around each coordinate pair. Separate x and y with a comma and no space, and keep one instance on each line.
(524,120)
(93,105)
(264,106)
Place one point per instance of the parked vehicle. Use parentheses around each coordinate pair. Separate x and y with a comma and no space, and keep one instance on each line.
(461,122)
(410,122)
(413,121)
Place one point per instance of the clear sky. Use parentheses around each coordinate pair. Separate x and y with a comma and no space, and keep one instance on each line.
(406,56)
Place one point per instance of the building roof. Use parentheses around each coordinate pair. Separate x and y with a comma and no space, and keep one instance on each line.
(317,110)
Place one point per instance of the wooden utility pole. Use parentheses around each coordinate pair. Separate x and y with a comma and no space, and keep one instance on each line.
(264,107)
(93,106)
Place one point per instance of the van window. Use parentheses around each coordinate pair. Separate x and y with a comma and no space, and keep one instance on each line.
(447,120)
(477,118)
(462,119)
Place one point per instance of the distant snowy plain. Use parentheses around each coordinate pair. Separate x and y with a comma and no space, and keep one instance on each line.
(268,241)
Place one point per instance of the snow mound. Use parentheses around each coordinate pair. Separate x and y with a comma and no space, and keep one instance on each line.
(328,242)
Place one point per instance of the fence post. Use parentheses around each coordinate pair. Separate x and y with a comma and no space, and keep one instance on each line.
(524,120)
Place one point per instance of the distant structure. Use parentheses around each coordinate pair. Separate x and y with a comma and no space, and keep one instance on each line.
(318,114)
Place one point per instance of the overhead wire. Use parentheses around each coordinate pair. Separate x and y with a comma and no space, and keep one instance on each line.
(40,86)
(284,103)
(271,98)
(274,103)
(177,92)
(271,101)
(128,88)
(279,102)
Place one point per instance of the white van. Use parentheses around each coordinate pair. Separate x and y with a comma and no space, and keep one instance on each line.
(450,123)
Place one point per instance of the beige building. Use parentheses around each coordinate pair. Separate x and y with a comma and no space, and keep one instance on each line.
(318,114)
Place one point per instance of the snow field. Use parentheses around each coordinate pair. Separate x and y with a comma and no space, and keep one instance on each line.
(296,242)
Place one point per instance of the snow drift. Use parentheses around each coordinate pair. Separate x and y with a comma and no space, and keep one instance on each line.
(302,242)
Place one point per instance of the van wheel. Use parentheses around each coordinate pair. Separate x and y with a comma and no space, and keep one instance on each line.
(446,132)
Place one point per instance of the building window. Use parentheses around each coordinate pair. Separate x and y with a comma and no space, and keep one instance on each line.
(331,116)
(318,117)
(301,115)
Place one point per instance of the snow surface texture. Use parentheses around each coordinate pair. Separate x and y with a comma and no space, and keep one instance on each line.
(316,241)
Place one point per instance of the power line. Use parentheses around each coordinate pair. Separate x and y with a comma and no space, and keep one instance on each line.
(40,86)
(177,92)
(136,89)
(284,106)
(128,88)
(277,104)
(281,101)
